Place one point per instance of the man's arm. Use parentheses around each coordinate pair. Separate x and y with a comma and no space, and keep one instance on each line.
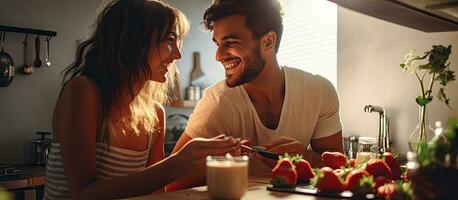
(320,145)
(186,182)
(184,138)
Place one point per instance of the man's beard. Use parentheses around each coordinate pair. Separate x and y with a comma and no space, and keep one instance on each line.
(253,66)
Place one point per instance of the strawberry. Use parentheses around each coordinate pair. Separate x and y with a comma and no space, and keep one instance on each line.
(393,165)
(366,186)
(284,175)
(352,162)
(246,142)
(396,191)
(342,173)
(404,177)
(334,160)
(328,181)
(380,181)
(352,180)
(338,172)
(386,191)
(304,171)
(378,167)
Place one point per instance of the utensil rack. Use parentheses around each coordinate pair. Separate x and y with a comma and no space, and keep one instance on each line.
(27,31)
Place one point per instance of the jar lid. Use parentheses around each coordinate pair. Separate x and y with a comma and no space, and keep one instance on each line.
(367,140)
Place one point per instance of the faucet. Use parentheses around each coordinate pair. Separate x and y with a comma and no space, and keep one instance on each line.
(383,134)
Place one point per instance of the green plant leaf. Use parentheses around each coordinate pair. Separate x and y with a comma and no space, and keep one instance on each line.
(445,77)
(438,58)
(423,101)
(425,66)
(443,97)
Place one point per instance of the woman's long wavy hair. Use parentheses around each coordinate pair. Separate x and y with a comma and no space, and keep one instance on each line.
(115,57)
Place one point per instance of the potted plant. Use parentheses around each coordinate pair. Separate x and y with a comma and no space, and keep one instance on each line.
(435,70)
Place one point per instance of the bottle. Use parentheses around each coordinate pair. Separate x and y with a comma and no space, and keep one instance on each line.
(193,91)
(352,140)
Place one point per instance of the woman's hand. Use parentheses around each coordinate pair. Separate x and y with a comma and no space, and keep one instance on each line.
(193,154)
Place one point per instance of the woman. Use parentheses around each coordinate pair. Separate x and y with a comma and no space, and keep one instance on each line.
(108,122)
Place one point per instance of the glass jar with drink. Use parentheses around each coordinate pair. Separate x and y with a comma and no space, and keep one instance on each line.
(227,176)
(367,149)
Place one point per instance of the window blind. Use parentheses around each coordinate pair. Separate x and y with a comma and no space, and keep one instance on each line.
(309,40)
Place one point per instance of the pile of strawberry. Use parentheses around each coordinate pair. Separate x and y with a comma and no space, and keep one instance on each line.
(380,176)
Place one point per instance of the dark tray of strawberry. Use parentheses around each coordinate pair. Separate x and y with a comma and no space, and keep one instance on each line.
(377,178)
(310,190)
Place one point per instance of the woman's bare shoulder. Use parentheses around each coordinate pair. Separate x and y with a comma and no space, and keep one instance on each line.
(80,92)
(78,83)
(78,107)
(80,87)
(160,110)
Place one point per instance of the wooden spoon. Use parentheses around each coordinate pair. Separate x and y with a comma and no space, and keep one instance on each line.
(37,62)
(26,69)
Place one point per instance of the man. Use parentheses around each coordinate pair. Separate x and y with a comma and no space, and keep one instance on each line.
(282,108)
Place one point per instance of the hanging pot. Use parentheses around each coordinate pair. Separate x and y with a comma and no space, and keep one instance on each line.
(6,65)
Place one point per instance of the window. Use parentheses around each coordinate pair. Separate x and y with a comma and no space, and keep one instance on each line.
(309,40)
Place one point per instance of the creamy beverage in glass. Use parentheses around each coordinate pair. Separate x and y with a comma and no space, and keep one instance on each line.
(227,176)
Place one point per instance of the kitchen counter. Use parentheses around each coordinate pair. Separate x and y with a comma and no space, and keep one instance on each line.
(29,185)
(32,175)
(256,190)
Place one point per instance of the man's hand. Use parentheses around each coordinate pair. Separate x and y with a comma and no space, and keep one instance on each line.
(280,147)
(293,147)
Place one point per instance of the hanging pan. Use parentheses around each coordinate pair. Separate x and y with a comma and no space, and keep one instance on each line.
(6,65)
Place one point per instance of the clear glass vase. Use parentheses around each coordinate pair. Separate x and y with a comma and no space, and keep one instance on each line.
(423,132)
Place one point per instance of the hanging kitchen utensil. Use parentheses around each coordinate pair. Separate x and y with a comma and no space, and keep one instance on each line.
(47,61)
(26,69)
(6,65)
(37,62)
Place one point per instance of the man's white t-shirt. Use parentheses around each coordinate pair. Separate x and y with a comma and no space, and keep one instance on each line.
(310,111)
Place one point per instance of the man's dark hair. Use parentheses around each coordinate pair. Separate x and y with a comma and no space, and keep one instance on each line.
(261,16)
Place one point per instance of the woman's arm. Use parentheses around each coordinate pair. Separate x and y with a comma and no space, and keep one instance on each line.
(78,110)
(156,152)
(184,182)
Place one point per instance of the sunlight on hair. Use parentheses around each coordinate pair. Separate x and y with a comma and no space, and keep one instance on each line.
(144,107)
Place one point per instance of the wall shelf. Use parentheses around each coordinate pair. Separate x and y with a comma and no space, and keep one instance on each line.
(184,103)
(27,30)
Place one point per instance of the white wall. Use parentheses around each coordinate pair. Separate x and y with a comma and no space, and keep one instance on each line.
(369,53)
(26,106)
(197,40)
